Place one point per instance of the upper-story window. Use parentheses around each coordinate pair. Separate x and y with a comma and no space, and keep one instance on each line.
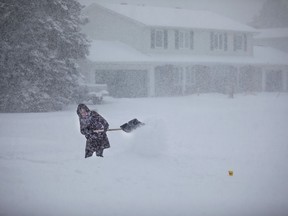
(184,39)
(159,38)
(240,42)
(218,41)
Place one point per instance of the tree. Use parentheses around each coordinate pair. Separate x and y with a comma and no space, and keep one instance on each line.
(274,14)
(39,43)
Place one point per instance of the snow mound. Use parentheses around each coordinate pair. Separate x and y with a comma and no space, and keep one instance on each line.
(149,140)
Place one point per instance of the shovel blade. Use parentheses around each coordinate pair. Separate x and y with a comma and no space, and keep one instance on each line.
(131,125)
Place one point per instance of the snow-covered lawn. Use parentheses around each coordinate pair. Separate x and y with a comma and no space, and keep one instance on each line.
(177,164)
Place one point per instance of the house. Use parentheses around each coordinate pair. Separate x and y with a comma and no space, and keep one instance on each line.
(275,37)
(141,51)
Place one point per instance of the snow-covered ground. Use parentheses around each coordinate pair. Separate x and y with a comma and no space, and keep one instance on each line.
(177,164)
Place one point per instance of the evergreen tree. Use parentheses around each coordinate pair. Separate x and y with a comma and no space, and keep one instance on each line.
(39,43)
(274,14)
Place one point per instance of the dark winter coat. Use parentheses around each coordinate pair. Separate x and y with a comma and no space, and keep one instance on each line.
(96,142)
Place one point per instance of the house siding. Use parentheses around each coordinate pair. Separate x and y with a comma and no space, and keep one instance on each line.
(201,43)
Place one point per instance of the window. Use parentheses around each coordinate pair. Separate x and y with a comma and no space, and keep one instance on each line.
(184,39)
(240,42)
(159,38)
(220,38)
(218,41)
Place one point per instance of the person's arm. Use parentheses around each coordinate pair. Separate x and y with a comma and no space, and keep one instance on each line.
(101,125)
(85,129)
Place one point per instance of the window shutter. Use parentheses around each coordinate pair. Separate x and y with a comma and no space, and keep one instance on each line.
(245,42)
(220,41)
(215,41)
(234,42)
(176,39)
(165,39)
(211,41)
(191,40)
(225,42)
(153,38)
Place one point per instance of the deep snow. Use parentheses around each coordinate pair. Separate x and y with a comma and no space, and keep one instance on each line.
(177,164)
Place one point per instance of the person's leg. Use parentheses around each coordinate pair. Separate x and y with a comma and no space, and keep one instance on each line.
(89,149)
(99,151)
(88,153)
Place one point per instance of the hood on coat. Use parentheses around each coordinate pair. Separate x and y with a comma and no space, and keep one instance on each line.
(82,106)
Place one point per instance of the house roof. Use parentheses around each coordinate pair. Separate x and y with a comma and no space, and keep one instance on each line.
(118,52)
(176,17)
(272,33)
(114,51)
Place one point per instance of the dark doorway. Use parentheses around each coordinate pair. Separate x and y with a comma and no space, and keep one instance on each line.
(124,83)
(274,81)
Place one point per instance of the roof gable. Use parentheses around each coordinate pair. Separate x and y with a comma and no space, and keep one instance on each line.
(177,17)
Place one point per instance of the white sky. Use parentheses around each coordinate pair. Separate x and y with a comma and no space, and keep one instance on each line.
(241,10)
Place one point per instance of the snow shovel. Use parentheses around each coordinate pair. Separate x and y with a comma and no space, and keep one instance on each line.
(129,126)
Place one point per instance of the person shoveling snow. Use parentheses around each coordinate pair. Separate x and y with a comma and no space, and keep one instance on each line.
(94,127)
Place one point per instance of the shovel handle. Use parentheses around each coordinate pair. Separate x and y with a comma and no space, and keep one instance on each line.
(114,129)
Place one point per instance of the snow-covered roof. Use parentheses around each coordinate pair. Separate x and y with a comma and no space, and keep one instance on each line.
(272,33)
(106,51)
(176,17)
(117,52)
